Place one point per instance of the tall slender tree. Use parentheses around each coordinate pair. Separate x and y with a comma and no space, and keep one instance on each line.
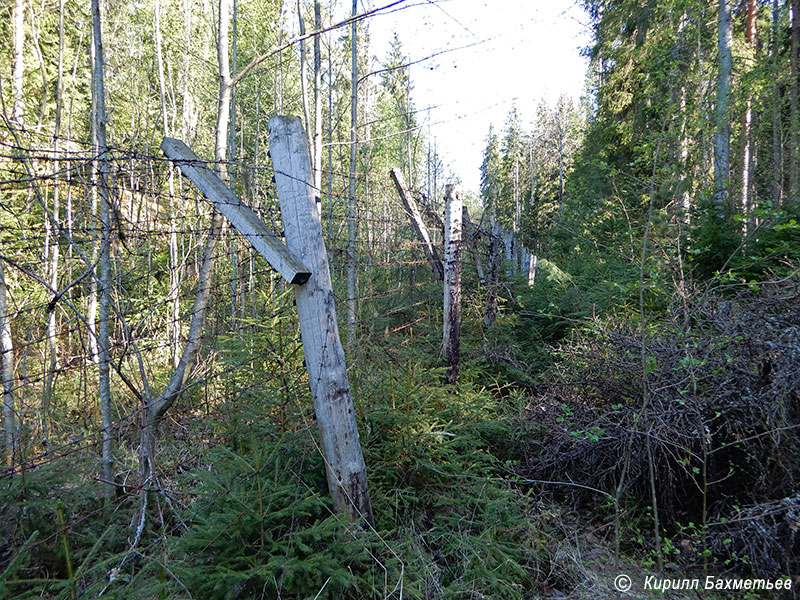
(794,107)
(351,199)
(722,136)
(104,280)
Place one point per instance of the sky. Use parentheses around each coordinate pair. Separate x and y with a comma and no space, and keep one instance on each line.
(501,52)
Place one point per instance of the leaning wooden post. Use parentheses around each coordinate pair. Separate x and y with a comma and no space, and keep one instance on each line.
(416,220)
(327,371)
(451,345)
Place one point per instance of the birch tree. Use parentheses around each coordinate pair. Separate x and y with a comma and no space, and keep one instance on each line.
(747,141)
(104,305)
(156,408)
(351,199)
(794,106)
(722,135)
(7,357)
(19,67)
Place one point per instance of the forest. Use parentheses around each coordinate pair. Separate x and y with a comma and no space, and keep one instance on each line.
(257,341)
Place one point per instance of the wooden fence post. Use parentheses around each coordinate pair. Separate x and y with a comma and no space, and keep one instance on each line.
(241,216)
(451,344)
(416,219)
(327,372)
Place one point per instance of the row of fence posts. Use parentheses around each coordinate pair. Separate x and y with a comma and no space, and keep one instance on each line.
(303,262)
(460,231)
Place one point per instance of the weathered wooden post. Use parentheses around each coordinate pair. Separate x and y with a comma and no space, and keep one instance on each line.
(327,372)
(416,220)
(451,344)
(241,216)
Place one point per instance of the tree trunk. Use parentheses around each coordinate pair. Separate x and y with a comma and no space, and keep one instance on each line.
(508,251)
(19,67)
(154,410)
(232,245)
(104,303)
(351,199)
(750,38)
(451,337)
(304,79)
(174,267)
(533,262)
(316,309)
(7,352)
(777,155)
(317,146)
(54,250)
(330,143)
(686,198)
(794,125)
(188,116)
(722,112)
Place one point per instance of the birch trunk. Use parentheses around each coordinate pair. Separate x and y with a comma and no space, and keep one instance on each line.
(104,303)
(750,38)
(777,158)
(722,136)
(174,279)
(317,146)
(304,79)
(55,248)
(19,67)
(686,199)
(7,351)
(794,105)
(451,338)
(351,199)
(533,262)
(156,408)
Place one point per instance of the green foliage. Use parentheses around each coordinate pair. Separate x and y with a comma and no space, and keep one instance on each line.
(434,461)
(261,524)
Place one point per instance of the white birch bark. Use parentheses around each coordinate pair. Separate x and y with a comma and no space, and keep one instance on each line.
(156,408)
(352,282)
(794,107)
(722,136)
(451,336)
(104,302)
(317,145)
(7,352)
(777,157)
(19,67)
(745,205)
